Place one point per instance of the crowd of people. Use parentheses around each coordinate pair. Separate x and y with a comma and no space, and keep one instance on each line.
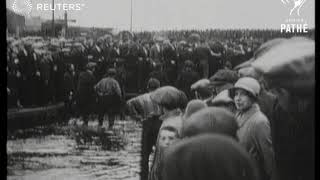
(255,121)
(218,109)
(36,66)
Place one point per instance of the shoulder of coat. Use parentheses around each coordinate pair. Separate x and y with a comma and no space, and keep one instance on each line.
(260,119)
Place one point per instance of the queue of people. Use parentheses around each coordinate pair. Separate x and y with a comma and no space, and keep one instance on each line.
(253,122)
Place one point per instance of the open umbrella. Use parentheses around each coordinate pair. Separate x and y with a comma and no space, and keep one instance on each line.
(290,65)
(167,96)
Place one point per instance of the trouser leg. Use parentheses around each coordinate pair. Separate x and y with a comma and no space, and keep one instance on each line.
(146,149)
(111,120)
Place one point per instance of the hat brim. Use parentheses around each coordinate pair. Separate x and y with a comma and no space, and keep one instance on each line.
(232,92)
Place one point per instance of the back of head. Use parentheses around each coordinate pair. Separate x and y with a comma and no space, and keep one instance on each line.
(204,92)
(188,64)
(206,157)
(211,120)
(194,106)
(153,84)
(111,72)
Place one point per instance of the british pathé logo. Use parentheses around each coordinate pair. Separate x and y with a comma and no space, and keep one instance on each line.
(22,7)
(295,5)
(294,23)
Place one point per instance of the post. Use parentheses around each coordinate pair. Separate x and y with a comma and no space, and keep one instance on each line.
(131,18)
(53,29)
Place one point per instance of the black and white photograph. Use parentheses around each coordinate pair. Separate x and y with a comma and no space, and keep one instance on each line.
(160,89)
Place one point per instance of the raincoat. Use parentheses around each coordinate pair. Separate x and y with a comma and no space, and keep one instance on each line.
(255,136)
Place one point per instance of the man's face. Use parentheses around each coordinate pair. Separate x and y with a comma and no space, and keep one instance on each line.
(242,100)
(167,138)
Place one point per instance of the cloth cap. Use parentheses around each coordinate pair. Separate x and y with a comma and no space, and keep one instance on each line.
(223,77)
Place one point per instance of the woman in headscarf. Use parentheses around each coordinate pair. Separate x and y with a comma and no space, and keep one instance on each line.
(254,128)
(206,157)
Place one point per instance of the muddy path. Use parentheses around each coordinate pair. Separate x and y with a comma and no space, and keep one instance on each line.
(72,151)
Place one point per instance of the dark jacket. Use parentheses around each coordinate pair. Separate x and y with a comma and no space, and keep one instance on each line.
(68,83)
(185,80)
(293,137)
(85,90)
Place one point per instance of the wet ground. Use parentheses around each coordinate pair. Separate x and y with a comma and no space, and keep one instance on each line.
(72,151)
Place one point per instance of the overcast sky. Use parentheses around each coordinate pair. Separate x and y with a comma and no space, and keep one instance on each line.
(180,14)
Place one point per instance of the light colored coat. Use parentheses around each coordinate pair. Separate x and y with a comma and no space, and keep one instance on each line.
(254,135)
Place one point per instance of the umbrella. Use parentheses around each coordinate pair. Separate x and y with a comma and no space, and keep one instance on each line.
(167,96)
(290,65)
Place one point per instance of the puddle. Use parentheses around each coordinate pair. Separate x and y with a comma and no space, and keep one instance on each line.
(72,151)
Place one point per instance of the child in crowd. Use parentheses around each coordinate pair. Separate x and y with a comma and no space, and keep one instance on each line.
(168,135)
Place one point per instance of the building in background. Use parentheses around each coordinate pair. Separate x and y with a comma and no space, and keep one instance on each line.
(33,24)
(46,27)
(15,22)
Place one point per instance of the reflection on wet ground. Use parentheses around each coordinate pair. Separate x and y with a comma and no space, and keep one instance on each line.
(72,151)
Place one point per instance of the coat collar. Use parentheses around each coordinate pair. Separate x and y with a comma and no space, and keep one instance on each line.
(242,117)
